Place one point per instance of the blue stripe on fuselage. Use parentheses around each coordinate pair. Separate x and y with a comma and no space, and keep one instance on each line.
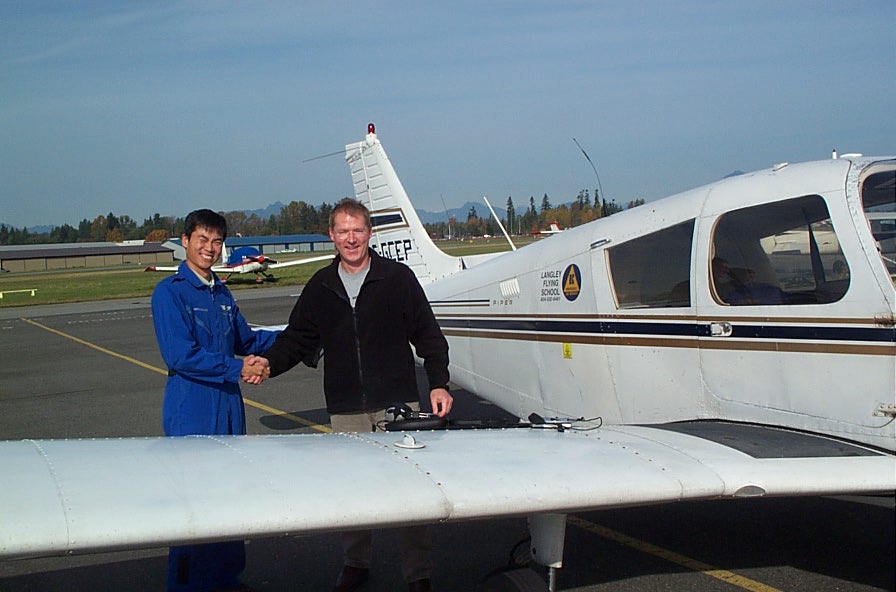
(665,329)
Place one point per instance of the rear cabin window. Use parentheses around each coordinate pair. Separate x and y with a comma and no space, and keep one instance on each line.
(879,203)
(653,271)
(783,253)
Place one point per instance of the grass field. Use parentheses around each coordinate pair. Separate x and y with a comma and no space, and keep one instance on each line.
(82,285)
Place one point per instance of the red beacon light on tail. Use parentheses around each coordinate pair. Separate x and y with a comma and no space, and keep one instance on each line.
(371,129)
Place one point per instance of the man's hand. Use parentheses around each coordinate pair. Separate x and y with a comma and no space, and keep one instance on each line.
(256,369)
(441,401)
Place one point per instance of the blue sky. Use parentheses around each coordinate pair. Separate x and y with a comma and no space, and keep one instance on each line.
(143,107)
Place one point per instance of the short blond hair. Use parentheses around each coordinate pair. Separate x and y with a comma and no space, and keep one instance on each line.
(352,207)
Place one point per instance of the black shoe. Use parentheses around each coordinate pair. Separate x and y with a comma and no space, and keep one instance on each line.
(351,578)
(423,585)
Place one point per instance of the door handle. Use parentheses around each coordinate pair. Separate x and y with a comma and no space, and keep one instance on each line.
(720,329)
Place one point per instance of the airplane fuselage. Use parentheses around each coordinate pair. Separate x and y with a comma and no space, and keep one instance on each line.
(248,266)
(624,319)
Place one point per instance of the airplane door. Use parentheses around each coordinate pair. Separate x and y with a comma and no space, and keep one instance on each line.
(789,312)
(648,324)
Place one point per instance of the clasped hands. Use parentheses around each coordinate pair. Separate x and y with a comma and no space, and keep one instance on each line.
(256,369)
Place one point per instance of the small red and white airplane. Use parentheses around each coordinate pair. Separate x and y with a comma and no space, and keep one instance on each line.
(248,260)
(554,228)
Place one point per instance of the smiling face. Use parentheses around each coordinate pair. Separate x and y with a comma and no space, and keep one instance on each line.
(351,235)
(203,249)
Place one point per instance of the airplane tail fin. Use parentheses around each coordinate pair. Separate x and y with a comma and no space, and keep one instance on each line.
(397,231)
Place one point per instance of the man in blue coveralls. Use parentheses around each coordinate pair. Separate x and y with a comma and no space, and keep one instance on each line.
(200,329)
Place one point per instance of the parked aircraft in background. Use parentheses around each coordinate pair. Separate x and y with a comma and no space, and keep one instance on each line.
(661,354)
(554,228)
(248,260)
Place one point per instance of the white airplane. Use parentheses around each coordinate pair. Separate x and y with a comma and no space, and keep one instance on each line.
(673,357)
(247,260)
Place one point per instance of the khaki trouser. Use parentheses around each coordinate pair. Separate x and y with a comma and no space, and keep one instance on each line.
(413,541)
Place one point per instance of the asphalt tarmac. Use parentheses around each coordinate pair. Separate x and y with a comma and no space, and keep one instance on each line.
(94,370)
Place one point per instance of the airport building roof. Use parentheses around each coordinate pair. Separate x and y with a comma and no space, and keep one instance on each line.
(47,251)
(278,239)
(65,255)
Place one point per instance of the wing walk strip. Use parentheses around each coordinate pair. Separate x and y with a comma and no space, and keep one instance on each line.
(250,402)
(602,531)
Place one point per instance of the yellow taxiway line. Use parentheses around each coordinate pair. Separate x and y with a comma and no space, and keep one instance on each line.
(250,402)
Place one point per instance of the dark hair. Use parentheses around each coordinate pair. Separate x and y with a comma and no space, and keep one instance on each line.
(352,207)
(205,219)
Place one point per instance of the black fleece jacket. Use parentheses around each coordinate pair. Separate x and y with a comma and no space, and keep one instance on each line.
(368,362)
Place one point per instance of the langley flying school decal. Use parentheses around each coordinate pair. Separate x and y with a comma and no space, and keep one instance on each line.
(555,283)
(550,285)
(572,282)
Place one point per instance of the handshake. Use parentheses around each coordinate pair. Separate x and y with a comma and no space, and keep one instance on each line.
(256,369)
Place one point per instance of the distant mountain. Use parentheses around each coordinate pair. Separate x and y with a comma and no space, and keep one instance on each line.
(460,214)
(42,229)
(265,213)
(426,217)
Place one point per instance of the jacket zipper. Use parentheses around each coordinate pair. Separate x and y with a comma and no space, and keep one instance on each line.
(342,294)
(358,355)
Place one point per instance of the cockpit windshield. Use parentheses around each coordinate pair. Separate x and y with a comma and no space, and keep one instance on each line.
(879,203)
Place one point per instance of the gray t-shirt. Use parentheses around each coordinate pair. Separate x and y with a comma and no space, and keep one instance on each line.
(353,282)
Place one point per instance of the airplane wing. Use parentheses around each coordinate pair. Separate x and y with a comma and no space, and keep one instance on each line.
(161,268)
(173,268)
(302,261)
(83,496)
(226,269)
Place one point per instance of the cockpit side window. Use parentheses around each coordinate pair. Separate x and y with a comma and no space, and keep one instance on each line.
(653,271)
(783,253)
(879,203)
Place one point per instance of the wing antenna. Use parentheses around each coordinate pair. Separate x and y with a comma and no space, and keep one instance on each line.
(594,168)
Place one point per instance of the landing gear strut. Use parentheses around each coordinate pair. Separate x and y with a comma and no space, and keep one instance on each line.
(547,534)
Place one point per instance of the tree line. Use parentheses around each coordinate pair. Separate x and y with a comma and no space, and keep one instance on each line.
(532,219)
(299,217)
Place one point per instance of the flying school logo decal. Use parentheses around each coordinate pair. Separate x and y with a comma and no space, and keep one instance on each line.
(554,283)
(572,282)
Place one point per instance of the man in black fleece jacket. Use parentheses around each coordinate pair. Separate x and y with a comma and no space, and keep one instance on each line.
(365,311)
